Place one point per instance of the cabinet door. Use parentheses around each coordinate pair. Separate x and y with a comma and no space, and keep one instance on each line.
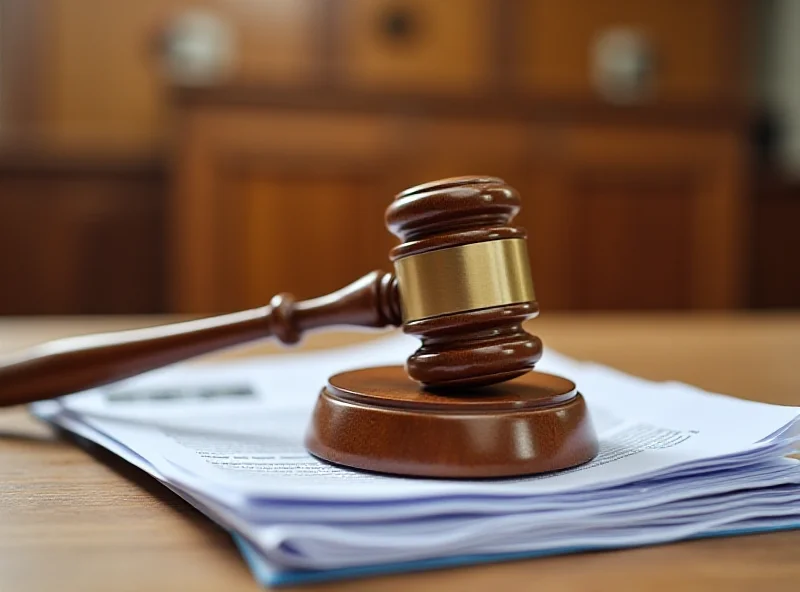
(634,219)
(456,146)
(80,237)
(306,232)
(101,81)
(270,201)
(416,46)
(629,50)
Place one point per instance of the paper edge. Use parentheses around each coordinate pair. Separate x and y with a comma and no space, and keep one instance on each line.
(269,577)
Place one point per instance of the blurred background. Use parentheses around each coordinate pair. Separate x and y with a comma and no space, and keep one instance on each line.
(200,156)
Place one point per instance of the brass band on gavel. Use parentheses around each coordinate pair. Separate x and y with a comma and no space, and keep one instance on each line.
(467,277)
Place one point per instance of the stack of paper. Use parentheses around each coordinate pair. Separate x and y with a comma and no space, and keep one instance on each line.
(675,463)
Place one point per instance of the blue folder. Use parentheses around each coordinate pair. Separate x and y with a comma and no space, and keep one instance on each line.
(267,575)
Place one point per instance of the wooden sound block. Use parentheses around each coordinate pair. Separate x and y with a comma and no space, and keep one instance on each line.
(378,419)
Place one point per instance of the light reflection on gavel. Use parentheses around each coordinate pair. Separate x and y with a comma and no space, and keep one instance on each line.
(461,284)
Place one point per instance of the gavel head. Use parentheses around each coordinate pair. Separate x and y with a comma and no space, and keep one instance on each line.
(464,282)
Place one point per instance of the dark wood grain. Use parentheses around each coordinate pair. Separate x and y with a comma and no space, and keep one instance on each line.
(470,347)
(79,363)
(71,522)
(474,347)
(431,419)
(775,257)
(554,42)
(626,217)
(534,424)
(86,71)
(21,42)
(343,100)
(438,99)
(250,188)
(81,232)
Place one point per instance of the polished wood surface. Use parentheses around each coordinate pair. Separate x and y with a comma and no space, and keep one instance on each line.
(245,185)
(77,520)
(79,363)
(378,419)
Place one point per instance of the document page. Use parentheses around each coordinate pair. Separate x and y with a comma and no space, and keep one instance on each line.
(249,438)
(674,462)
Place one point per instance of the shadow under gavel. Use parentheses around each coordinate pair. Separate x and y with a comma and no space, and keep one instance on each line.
(462,285)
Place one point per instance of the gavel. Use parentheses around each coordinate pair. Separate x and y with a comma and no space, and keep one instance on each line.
(467,403)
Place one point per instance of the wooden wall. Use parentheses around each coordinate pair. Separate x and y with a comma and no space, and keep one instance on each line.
(84,236)
(94,70)
(619,216)
(93,147)
(90,73)
(775,252)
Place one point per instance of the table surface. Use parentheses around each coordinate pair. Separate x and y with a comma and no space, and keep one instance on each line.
(77,519)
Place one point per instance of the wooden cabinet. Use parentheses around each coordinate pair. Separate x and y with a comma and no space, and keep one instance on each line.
(84,236)
(416,46)
(278,201)
(632,218)
(283,200)
(621,122)
(620,216)
(97,71)
(100,72)
(679,52)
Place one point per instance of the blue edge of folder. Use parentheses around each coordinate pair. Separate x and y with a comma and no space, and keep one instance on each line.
(268,576)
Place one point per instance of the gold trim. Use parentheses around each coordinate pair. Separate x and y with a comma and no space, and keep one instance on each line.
(468,277)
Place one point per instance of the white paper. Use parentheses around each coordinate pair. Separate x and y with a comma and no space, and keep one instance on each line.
(674,462)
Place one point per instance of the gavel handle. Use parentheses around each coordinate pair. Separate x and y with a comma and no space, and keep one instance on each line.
(79,363)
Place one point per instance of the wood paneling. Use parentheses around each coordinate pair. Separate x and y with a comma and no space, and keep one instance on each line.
(103,80)
(776,243)
(618,217)
(81,237)
(283,171)
(455,146)
(306,234)
(279,41)
(416,46)
(294,201)
(73,524)
(20,43)
(271,201)
(98,79)
(697,46)
(631,240)
(633,218)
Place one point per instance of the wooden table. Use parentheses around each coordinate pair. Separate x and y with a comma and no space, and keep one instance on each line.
(72,519)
